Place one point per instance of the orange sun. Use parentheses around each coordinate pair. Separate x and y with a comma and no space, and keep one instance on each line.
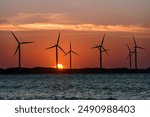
(60,66)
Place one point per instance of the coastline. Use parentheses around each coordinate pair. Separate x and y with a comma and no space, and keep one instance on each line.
(44,70)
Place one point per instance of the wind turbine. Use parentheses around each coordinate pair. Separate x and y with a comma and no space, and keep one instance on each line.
(57,47)
(101,50)
(19,48)
(70,52)
(130,56)
(135,51)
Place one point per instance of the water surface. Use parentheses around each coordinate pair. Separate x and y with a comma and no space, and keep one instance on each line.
(75,86)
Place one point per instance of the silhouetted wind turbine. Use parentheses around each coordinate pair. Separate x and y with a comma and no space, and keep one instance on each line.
(135,51)
(70,52)
(19,48)
(57,47)
(130,56)
(101,49)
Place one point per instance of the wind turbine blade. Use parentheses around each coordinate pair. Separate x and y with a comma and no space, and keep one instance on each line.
(16,50)
(96,46)
(132,53)
(75,53)
(62,49)
(134,40)
(128,56)
(105,50)
(70,46)
(51,47)
(103,40)
(15,37)
(67,53)
(128,48)
(93,47)
(141,48)
(58,38)
(26,42)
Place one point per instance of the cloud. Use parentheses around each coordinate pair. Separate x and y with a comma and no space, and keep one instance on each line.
(28,18)
(75,27)
(61,21)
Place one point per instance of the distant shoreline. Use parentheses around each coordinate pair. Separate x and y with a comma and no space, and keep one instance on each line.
(44,70)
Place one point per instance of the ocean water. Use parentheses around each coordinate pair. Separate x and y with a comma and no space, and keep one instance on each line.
(75,86)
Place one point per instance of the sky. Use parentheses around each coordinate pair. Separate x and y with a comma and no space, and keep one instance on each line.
(81,22)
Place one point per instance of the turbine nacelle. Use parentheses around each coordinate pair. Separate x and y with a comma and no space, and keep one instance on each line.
(101,49)
(70,51)
(135,44)
(18,47)
(130,52)
(57,46)
(135,51)
(19,43)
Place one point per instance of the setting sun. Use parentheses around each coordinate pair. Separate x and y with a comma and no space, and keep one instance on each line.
(60,66)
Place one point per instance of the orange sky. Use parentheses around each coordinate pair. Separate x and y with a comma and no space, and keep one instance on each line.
(82,23)
(36,55)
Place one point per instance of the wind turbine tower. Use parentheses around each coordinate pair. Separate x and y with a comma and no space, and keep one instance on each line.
(70,52)
(130,56)
(135,52)
(101,50)
(19,48)
(57,47)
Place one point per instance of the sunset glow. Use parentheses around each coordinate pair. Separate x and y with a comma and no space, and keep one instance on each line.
(83,23)
(77,27)
(60,66)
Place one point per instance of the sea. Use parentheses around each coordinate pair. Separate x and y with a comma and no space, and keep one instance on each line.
(75,87)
